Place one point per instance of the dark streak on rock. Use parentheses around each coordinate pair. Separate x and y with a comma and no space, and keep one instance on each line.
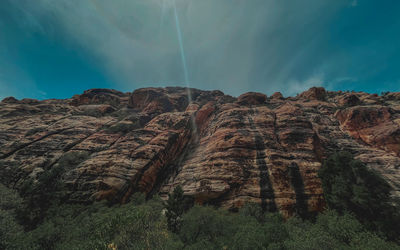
(297,183)
(266,190)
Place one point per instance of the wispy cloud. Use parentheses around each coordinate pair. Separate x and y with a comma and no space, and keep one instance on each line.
(295,87)
(232,45)
(228,43)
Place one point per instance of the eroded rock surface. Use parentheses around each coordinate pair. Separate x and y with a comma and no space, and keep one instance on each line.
(222,150)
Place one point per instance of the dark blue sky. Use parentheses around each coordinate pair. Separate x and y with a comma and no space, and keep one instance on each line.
(54,49)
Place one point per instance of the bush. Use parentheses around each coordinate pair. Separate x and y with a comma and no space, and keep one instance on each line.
(206,227)
(143,224)
(35,131)
(174,209)
(39,196)
(10,230)
(253,209)
(249,234)
(133,226)
(350,187)
(275,230)
(47,190)
(72,159)
(98,226)
(123,127)
(332,231)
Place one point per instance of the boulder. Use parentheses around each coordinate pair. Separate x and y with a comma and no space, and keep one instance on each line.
(252,98)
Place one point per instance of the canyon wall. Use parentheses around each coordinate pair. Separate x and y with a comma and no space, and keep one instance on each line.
(222,150)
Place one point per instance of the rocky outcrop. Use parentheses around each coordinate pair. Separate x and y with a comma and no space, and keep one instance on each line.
(222,150)
(314,93)
(277,95)
(100,96)
(377,126)
(349,100)
(251,98)
(9,100)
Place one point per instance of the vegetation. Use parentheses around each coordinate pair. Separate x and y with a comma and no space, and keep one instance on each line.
(35,131)
(10,230)
(155,224)
(40,195)
(94,112)
(123,127)
(143,226)
(350,187)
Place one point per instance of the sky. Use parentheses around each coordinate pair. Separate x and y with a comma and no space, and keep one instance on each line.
(58,48)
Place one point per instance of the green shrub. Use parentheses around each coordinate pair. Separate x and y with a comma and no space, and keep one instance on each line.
(10,230)
(90,111)
(174,209)
(133,226)
(304,235)
(349,186)
(206,227)
(332,231)
(98,226)
(138,198)
(275,230)
(39,196)
(210,228)
(47,190)
(249,235)
(72,159)
(35,131)
(123,127)
(151,224)
(253,209)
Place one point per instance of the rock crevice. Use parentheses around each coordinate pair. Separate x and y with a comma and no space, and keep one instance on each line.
(222,150)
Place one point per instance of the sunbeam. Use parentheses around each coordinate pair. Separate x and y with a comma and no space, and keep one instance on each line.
(163,10)
(184,66)
(182,50)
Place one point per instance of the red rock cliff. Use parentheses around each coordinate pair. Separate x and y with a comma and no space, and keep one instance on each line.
(222,150)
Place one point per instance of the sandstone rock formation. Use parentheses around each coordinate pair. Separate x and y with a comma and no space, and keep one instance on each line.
(222,150)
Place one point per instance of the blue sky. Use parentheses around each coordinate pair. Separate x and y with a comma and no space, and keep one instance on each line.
(54,49)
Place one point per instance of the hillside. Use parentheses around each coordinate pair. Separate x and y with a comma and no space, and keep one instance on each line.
(221,150)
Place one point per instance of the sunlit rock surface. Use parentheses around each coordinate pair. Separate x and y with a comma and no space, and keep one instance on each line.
(222,150)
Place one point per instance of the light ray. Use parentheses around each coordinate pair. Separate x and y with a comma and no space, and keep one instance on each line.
(163,10)
(182,50)
(185,69)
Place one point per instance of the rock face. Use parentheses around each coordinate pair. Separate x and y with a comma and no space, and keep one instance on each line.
(222,150)
(374,125)
(100,96)
(314,93)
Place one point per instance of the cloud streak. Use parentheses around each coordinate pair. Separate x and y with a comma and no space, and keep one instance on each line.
(232,45)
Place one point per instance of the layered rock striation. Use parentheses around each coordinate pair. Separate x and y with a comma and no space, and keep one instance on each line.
(222,150)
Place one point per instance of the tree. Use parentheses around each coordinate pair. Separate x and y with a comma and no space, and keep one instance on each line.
(350,186)
(175,207)
(208,228)
(10,230)
(253,209)
(332,231)
(39,196)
